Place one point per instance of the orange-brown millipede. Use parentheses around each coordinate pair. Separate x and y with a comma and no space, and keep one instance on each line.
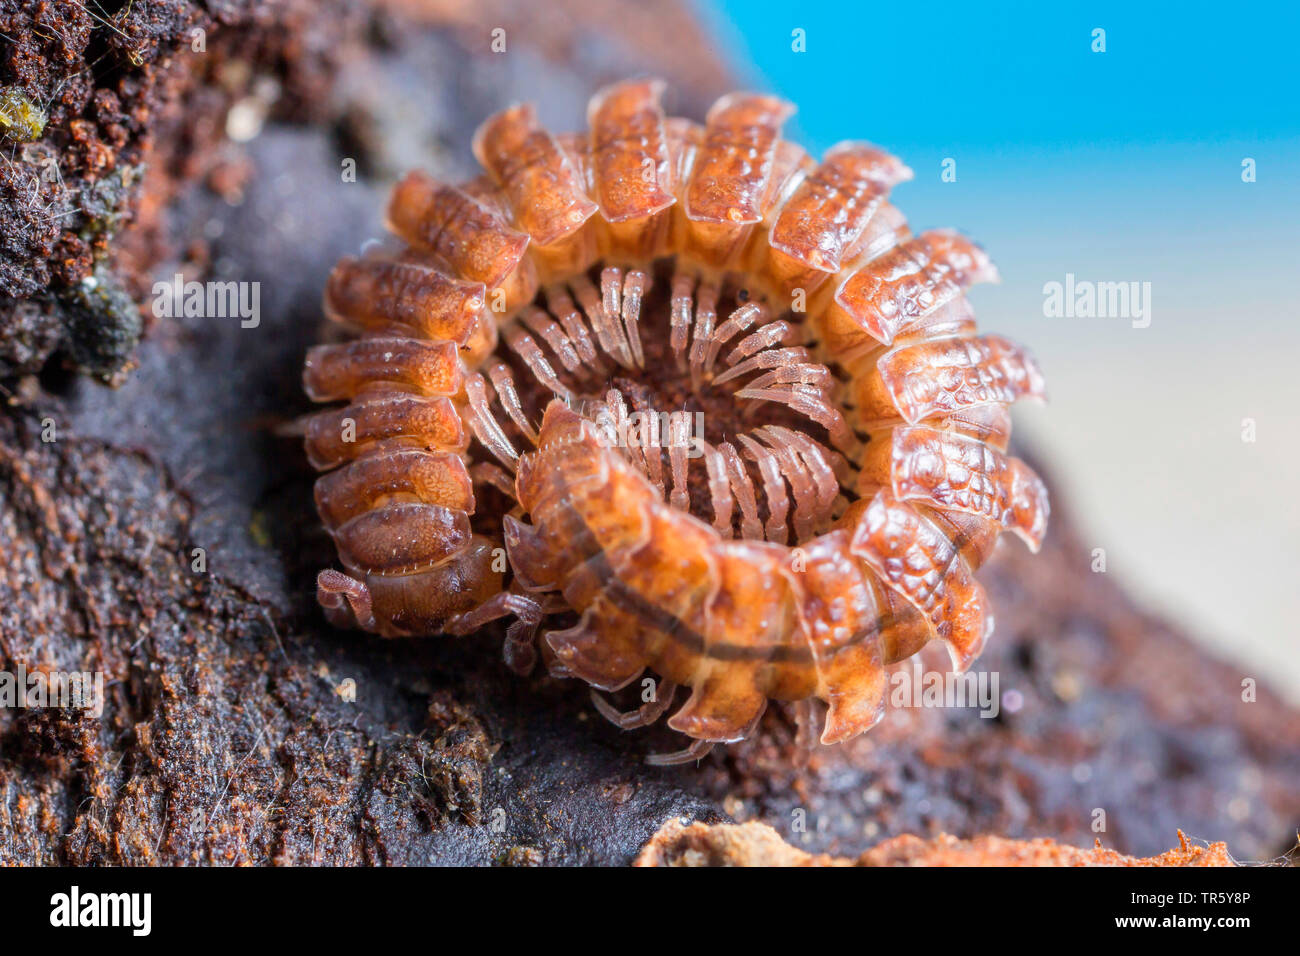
(835,430)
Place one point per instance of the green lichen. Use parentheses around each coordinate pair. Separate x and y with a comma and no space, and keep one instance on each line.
(21,120)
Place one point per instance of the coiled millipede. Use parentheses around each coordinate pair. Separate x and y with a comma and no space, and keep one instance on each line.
(852,425)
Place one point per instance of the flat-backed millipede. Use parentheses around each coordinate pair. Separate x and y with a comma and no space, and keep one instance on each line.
(835,472)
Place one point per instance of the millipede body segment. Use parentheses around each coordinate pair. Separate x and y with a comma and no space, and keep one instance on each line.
(700,401)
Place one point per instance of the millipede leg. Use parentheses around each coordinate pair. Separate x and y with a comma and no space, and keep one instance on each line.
(743,488)
(611,292)
(570,319)
(778,504)
(719,490)
(818,462)
(554,336)
(682,300)
(807,400)
(697,750)
(643,716)
(654,460)
(342,597)
(606,325)
(680,497)
(801,482)
(486,473)
(634,287)
(806,732)
(520,654)
(508,396)
(740,320)
(765,359)
(520,648)
(527,349)
(774,333)
(706,314)
(830,470)
(632,450)
(484,426)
